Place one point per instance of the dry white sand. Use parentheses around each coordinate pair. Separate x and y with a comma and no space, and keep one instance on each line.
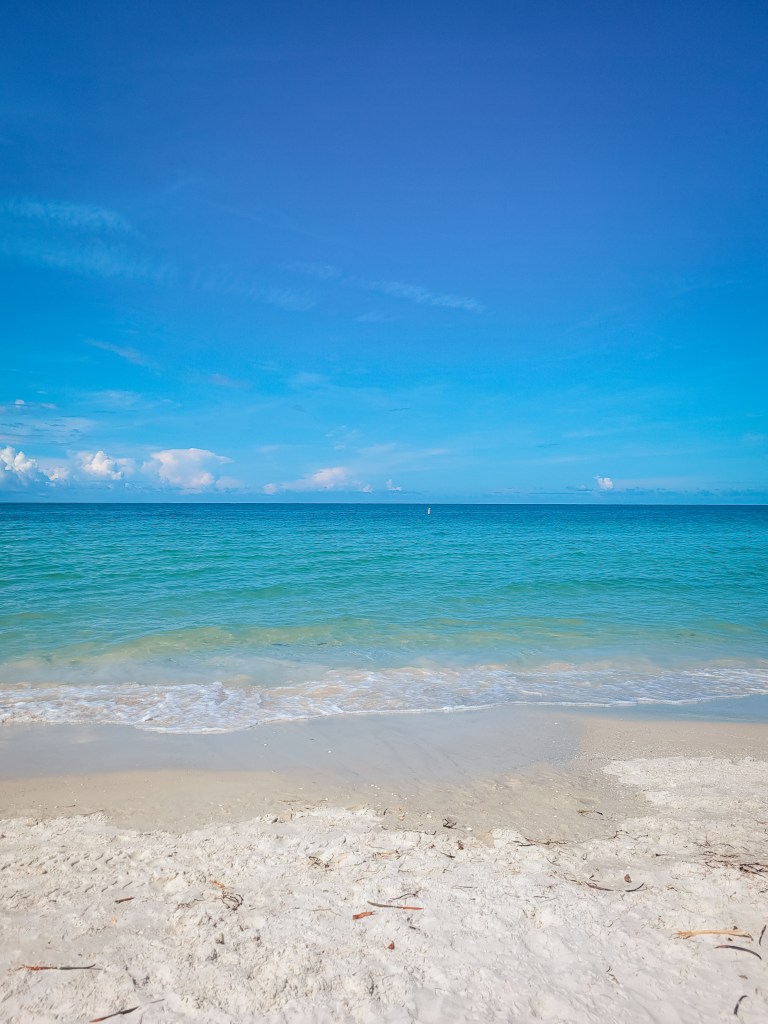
(255,920)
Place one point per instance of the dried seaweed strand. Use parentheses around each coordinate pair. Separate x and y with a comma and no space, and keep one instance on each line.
(604,888)
(714,931)
(743,949)
(738,1004)
(121,1013)
(117,1013)
(78,967)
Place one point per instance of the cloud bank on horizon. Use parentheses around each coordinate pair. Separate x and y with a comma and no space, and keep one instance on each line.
(187,470)
(329,268)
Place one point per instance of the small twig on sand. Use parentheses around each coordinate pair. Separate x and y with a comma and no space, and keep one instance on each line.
(762,933)
(714,931)
(405,895)
(125,899)
(362,914)
(742,949)
(738,1004)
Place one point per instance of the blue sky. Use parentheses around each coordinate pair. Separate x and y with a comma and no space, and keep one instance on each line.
(384,251)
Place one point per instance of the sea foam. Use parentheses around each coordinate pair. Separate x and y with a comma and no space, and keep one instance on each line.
(228,706)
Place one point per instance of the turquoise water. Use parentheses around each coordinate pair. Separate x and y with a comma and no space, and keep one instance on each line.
(219,617)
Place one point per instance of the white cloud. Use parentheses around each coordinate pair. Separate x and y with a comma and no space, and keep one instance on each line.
(100,466)
(15,466)
(189,469)
(16,469)
(391,487)
(330,478)
(604,483)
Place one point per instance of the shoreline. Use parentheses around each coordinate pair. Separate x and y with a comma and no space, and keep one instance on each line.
(490,766)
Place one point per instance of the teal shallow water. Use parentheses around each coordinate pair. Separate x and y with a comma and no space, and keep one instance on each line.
(218,617)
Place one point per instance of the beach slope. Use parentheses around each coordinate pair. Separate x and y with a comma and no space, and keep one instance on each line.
(320,914)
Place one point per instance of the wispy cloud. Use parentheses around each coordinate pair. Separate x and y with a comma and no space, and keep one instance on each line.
(117,401)
(320,271)
(221,380)
(392,454)
(81,238)
(223,281)
(422,296)
(397,289)
(272,217)
(93,258)
(375,317)
(290,299)
(23,422)
(604,483)
(78,216)
(306,379)
(131,355)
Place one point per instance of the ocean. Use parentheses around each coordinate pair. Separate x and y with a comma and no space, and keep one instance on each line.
(216,618)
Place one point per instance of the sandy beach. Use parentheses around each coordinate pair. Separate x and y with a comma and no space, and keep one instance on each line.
(554,890)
